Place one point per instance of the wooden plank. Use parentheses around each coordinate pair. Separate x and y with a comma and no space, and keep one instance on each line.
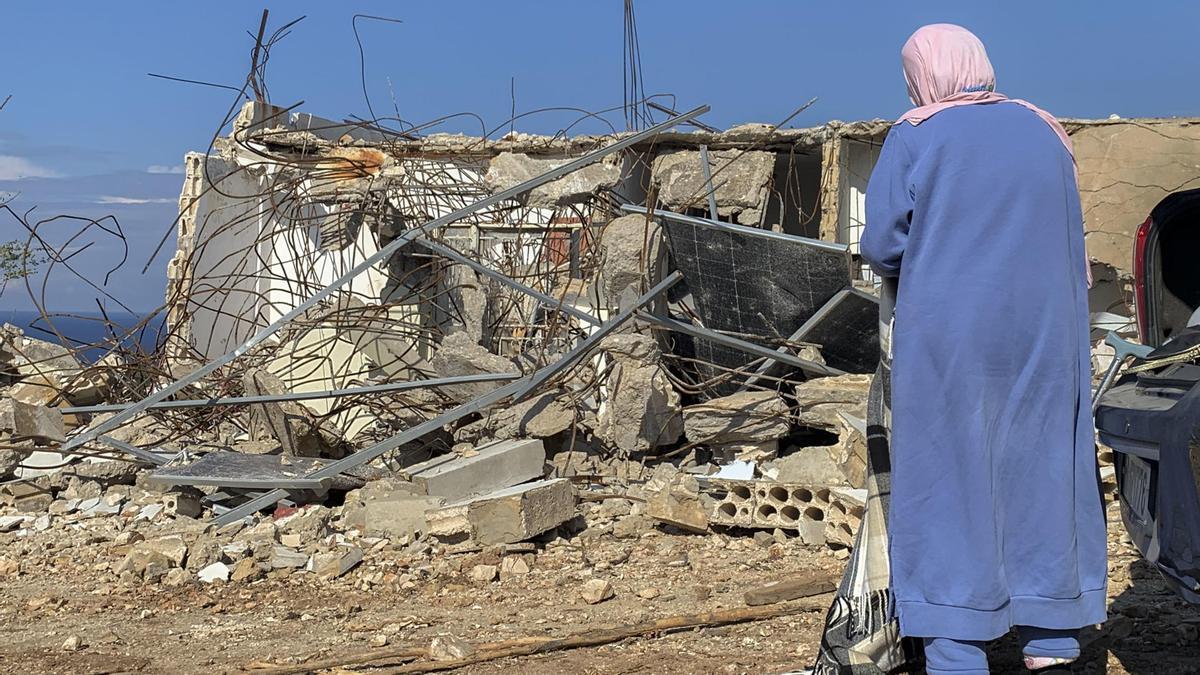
(790,589)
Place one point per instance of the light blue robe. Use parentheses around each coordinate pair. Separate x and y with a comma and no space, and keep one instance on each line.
(996,517)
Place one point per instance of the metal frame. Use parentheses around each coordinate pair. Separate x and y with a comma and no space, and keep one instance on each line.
(737,343)
(739,229)
(708,184)
(516,390)
(805,329)
(91,433)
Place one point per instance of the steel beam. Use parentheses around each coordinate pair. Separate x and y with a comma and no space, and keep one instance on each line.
(739,229)
(737,343)
(302,396)
(91,433)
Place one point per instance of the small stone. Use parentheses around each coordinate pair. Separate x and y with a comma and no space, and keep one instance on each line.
(9,567)
(291,540)
(484,573)
(175,577)
(73,644)
(172,548)
(128,537)
(246,569)
(336,562)
(150,512)
(379,640)
(450,648)
(596,591)
(763,539)
(513,566)
(217,571)
(649,593)
(283,557)
(42,522)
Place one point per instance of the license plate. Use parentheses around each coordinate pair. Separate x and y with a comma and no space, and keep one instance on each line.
(1135,489)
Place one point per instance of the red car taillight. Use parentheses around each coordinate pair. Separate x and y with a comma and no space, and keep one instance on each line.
(1140,282)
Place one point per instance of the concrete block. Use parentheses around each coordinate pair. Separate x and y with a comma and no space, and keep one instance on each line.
(337,562)
(492,467)
(391,516)
(22,420)
(746,417)
(679,504)
(507,516)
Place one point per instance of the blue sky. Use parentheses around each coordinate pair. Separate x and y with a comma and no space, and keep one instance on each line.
(88,133)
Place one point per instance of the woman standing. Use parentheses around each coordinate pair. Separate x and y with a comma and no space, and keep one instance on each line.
(995,518)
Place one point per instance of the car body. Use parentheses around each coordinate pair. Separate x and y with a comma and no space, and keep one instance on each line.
(1152,419)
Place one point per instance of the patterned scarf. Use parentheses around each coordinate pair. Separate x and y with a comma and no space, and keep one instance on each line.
(862,633)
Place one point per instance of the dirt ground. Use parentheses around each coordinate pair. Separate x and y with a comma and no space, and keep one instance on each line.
(67,612)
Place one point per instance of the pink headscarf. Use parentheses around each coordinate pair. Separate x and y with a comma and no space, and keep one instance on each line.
(946,66)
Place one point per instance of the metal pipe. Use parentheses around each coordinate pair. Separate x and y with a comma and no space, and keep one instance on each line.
(736,343)
(91,433)
(515,389)
(740,229)
(301,396)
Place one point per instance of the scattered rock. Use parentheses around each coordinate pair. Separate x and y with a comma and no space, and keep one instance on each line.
(484,573)
(596,591)
(336,562)
(283,557)
(513,566)
(745,417)
(217,571)
(679,504)
(450,648)
(72,644)
(458,355)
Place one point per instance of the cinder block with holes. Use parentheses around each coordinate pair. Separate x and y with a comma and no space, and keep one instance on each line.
(761,504)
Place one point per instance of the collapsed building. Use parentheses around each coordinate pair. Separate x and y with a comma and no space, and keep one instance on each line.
(452,337)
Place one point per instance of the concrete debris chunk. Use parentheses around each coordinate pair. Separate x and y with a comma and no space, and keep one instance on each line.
(643,409)
(678,503)
(484,574)
(389,509)
(596,591)
(741,187)
(246,569)
(458,355)
(809,466)
(283,557)
(335,563)
(745,417)
(289,423)
(506,516)
(24,421)
(509,169)
(30,356)
(488,468)
(513,565)
(173,548)
(630,257)
(184,504)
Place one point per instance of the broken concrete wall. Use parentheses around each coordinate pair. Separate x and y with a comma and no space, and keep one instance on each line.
(1125,168)
(742,179)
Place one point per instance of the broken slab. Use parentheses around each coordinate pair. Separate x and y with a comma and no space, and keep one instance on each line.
(458,355)
(506,516)
(487,468)
(746,417)
(809,466)
(24,421)
(742,181)
(509,169)
(30,356)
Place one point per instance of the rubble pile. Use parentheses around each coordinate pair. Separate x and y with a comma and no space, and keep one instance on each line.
(477,388)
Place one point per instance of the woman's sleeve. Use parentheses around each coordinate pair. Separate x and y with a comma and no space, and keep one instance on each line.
(890,198)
